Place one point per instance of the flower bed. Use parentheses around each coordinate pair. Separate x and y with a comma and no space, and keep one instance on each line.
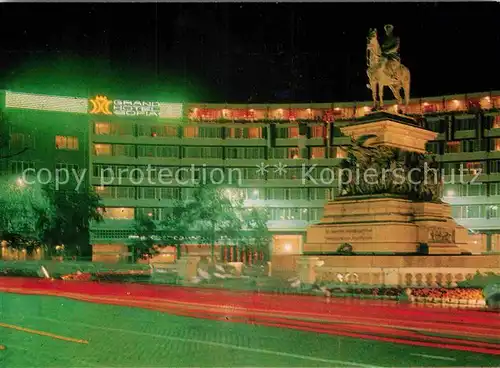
(78,276)
(464,296)
(455,296)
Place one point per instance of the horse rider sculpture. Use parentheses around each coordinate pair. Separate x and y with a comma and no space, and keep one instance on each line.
(390,58)
(384,68)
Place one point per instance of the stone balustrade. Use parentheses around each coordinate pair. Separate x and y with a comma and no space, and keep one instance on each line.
(416,277)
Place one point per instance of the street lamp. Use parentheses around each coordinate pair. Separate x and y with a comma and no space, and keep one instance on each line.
(20,183)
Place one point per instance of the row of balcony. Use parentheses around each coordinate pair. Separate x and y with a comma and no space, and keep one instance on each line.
(243,183)
(349,110)
(215,162)
(201,141)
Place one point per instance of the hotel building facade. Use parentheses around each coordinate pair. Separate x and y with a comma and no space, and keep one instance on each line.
(277,156)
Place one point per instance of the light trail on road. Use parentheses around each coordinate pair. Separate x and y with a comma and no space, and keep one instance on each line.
(445,328)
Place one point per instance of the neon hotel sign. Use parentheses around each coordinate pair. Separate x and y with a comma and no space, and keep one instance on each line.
(104,106)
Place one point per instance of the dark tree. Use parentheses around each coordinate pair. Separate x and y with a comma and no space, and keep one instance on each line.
(147,236)
(75,211)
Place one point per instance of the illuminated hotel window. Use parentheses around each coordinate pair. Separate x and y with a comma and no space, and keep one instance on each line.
(293,153)
(495,144)
(429,107)
(104,191)
(338,152)
(102,128)
(66,143)
(249,133)
(496,121)
(236,133)
(191,132)
(452,147)
(119,213)
(293,132)
(317,131)
(254,133)
(287,132)
(120,129)
(317,152)
(102,149)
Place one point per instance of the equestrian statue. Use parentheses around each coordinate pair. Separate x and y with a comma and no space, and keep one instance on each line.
(385,68)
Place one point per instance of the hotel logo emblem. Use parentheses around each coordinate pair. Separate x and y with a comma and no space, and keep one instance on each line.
(100,105)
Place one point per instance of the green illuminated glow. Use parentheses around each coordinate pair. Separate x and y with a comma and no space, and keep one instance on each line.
(31,101)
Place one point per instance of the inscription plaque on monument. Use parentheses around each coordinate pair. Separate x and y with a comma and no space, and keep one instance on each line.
(440,235)
(341,235)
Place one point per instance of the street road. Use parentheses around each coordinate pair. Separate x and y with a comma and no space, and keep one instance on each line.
(419,336)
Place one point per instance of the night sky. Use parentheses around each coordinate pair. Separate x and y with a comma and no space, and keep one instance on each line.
(243,52)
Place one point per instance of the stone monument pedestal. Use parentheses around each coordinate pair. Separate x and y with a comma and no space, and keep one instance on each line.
(386,224)
(393,240)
